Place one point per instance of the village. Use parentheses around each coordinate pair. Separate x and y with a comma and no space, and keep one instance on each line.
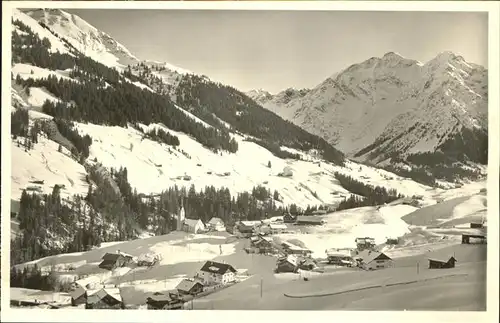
(262,238)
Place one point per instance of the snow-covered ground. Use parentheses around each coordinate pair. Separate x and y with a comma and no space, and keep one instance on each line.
(26,71)
(38,96)
(45,163)
(56,44)
(343,227)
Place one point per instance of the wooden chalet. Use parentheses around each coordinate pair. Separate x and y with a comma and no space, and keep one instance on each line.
(441,263)
(365,243)
(79,289)
(466,238)
(277,228)
(244,227)
(339,257)
(111,261)
(104,298)
(264,244)
(288,264)
(168,301)
(189,287)
(216,224)
(371,260)
(310,220)
(291,249)
(288,218)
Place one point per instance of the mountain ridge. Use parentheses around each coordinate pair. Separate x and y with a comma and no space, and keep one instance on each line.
(413,108)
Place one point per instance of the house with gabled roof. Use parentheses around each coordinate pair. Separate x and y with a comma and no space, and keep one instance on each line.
(167,301)
(370,260)
(79,289)
(310,220)
(111,261)
(104,298)
(292,249)
(189,287)
(216,224)
(435,263)
(214,273)
(277,228)
(193,226)
(288,264)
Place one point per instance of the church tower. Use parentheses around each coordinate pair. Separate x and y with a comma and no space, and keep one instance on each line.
(180,217)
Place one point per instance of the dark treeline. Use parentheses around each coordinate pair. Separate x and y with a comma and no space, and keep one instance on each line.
(32,277)
(244,114)
(20,128)
(373,195)
(116,105)
(67,130)
(19,123)
(163,136)
(113,211)
(275,149)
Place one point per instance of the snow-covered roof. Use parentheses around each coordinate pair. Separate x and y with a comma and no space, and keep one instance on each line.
(88,280)
(338,252)
(215,221)
(193,223)
(186,285)
(294,247)
(368,256)
(94,295)
(251,223)
(292,259)
(277,226)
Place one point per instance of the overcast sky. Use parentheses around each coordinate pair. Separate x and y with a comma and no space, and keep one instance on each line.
(275,50)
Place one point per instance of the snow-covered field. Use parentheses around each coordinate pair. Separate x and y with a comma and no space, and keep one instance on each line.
(343,227)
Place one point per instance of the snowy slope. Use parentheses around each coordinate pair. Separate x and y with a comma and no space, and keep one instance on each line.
(56,44)
(45,163)
(84,37)
(401,104)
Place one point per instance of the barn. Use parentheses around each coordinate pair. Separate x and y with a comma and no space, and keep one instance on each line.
(370,260)
(79,289)
(288,264)
(216,224)
(442,263)
(189,287)
(104,298)
(160,301)
(111,261)
(310,220)
(193,226)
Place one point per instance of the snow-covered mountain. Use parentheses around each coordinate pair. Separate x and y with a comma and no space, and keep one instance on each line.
(84,37)
(105,156)
(393,107)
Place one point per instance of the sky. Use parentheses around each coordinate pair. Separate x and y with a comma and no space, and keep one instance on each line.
(275,50)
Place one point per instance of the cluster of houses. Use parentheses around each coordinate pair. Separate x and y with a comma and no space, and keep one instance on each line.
(292,264)
(247,229)
(211,276)
(196,225)
(92,294)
